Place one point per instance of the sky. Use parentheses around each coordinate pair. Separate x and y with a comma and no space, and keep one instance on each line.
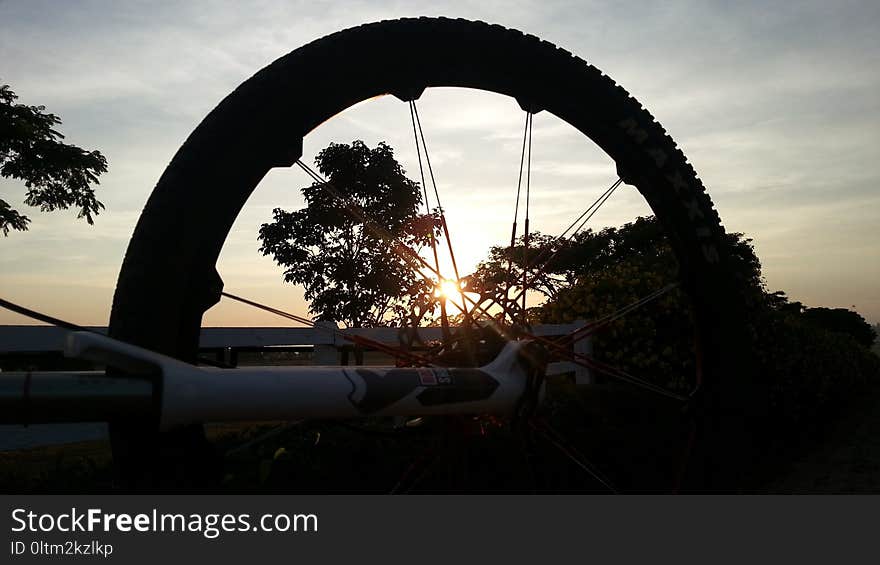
(775,104)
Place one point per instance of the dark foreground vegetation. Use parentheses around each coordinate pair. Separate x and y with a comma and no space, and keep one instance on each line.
(812,360)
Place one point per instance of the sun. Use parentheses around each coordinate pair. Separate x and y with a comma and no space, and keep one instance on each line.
(447,288)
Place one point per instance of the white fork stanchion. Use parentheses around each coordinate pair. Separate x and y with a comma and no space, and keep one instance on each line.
(198,394)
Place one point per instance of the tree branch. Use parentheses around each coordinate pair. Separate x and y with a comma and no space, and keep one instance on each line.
(11,219)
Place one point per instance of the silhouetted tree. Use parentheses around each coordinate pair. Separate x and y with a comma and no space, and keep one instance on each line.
(350,272)
(640,243)
(779,301)
(504,267)
(809,358)
(57,175)
(843,321)
(607,270)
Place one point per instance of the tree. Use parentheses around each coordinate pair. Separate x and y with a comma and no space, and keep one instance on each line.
(57,175)
(503,268)
(599,273)
(350,271)
(809,358)
(566,263)
(843,321)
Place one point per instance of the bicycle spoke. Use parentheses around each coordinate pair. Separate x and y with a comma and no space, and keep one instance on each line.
(556,440)
(525,284)
(39,316)
(398,353)
(595,325)
(558,242)
(524,165)
(621,375)
(591,363)
(562,239)
(444,319)
(443,224)
(522,161)
(436,193)
(416,471)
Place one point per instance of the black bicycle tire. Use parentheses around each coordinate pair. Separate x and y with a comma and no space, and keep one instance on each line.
(168,279)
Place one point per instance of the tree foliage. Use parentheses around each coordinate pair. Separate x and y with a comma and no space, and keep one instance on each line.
(810,369)
(56,175)
(350,272)
(503,268)
(811,359)
(565,262)
(839,320)
(842,321)
(615,267)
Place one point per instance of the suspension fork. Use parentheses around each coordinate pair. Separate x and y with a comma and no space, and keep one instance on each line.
(183,393)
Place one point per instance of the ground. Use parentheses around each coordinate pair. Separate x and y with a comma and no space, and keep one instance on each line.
(843,458)
(846,458)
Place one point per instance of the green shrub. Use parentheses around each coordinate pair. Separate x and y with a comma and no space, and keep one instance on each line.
(810,359)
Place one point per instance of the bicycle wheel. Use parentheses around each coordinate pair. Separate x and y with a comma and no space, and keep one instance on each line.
(168,277)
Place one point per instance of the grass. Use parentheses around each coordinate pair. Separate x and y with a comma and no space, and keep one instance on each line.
(379,455)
